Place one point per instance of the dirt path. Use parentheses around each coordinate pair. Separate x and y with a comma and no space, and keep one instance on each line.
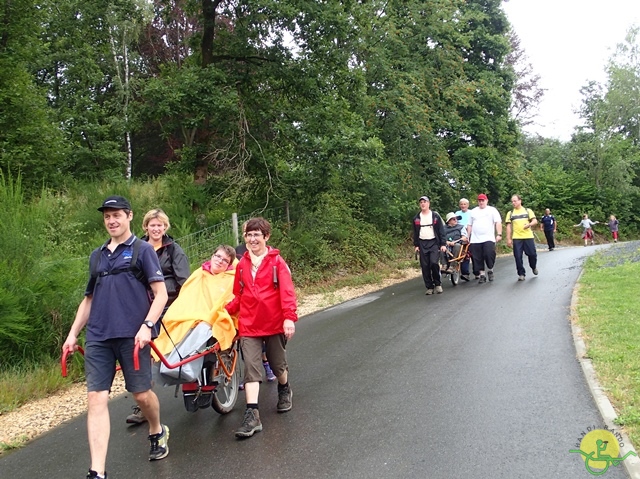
(38,417)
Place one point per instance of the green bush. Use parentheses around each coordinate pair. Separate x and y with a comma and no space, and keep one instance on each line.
(332,240)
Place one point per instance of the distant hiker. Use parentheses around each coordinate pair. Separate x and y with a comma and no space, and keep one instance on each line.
(587,231)
(484,229)
(456,236)
(613,227)
(429,241)
(464,213)
(519,222)
(549,226)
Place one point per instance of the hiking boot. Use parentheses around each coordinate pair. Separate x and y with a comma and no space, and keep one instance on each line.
(438,289)
(429,291)
(535,271)
(250,423)
(465,277)
(490,275)
(159,444)
(483,279)
(267,369)
(94,475)
(285,395)
(521,277)
(136,417)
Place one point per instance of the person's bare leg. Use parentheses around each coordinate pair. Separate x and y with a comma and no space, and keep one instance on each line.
(283,378)
(98,429)
(150,407)
(252,391)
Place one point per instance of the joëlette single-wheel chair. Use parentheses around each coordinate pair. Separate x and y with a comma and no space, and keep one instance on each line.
(216,382)
(455,256)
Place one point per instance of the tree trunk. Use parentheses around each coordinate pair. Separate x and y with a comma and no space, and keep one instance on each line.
(208,30)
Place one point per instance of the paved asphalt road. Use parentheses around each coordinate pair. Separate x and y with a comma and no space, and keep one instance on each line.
(479,382)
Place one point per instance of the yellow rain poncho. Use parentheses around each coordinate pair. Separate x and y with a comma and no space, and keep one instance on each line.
(202,298)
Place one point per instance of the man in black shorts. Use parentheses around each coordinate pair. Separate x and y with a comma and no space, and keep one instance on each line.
(118,315)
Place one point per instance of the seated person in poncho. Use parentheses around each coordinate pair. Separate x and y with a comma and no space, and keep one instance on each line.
(202,299)
(456,236)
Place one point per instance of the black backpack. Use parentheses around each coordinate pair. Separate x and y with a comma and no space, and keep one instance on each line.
(133,267)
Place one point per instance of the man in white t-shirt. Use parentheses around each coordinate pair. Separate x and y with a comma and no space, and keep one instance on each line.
(429,240)
(484,228)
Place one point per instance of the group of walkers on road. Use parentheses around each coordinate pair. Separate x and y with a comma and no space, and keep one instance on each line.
(436,241)
(134,281)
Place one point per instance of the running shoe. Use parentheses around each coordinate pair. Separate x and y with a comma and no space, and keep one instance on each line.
(267,369)
(159,444)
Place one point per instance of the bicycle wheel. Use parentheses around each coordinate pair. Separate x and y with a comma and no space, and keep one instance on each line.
(226,392)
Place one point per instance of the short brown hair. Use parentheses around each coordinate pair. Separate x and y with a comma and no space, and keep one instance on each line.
(259,224)
(231,252)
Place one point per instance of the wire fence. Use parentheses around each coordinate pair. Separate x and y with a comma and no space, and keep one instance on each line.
(199,246)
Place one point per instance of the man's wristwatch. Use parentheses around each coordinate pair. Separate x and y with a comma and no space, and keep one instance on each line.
(149,324)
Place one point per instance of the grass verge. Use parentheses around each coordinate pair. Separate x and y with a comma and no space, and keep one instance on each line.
(608,311)
(23,384)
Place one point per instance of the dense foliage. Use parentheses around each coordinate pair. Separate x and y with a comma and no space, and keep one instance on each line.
(374,102)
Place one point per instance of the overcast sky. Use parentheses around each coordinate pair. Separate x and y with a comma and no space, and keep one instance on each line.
(568,42)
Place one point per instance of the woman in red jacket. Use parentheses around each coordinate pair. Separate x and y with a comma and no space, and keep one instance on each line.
(266,302)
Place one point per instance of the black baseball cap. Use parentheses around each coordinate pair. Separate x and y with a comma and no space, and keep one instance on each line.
(116,203)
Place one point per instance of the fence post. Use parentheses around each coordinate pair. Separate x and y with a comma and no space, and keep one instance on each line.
(286,207)
(234,225)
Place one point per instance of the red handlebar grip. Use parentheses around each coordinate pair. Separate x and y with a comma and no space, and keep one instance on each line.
(63,360)
(63,363)
(136,359)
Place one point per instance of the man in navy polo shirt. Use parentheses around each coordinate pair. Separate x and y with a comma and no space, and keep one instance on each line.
(118,314)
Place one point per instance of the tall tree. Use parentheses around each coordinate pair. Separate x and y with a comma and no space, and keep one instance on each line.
(87,71)
(527,92)
(30,142)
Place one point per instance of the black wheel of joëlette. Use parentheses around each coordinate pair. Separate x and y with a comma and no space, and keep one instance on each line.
(226,393)
(455,275)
